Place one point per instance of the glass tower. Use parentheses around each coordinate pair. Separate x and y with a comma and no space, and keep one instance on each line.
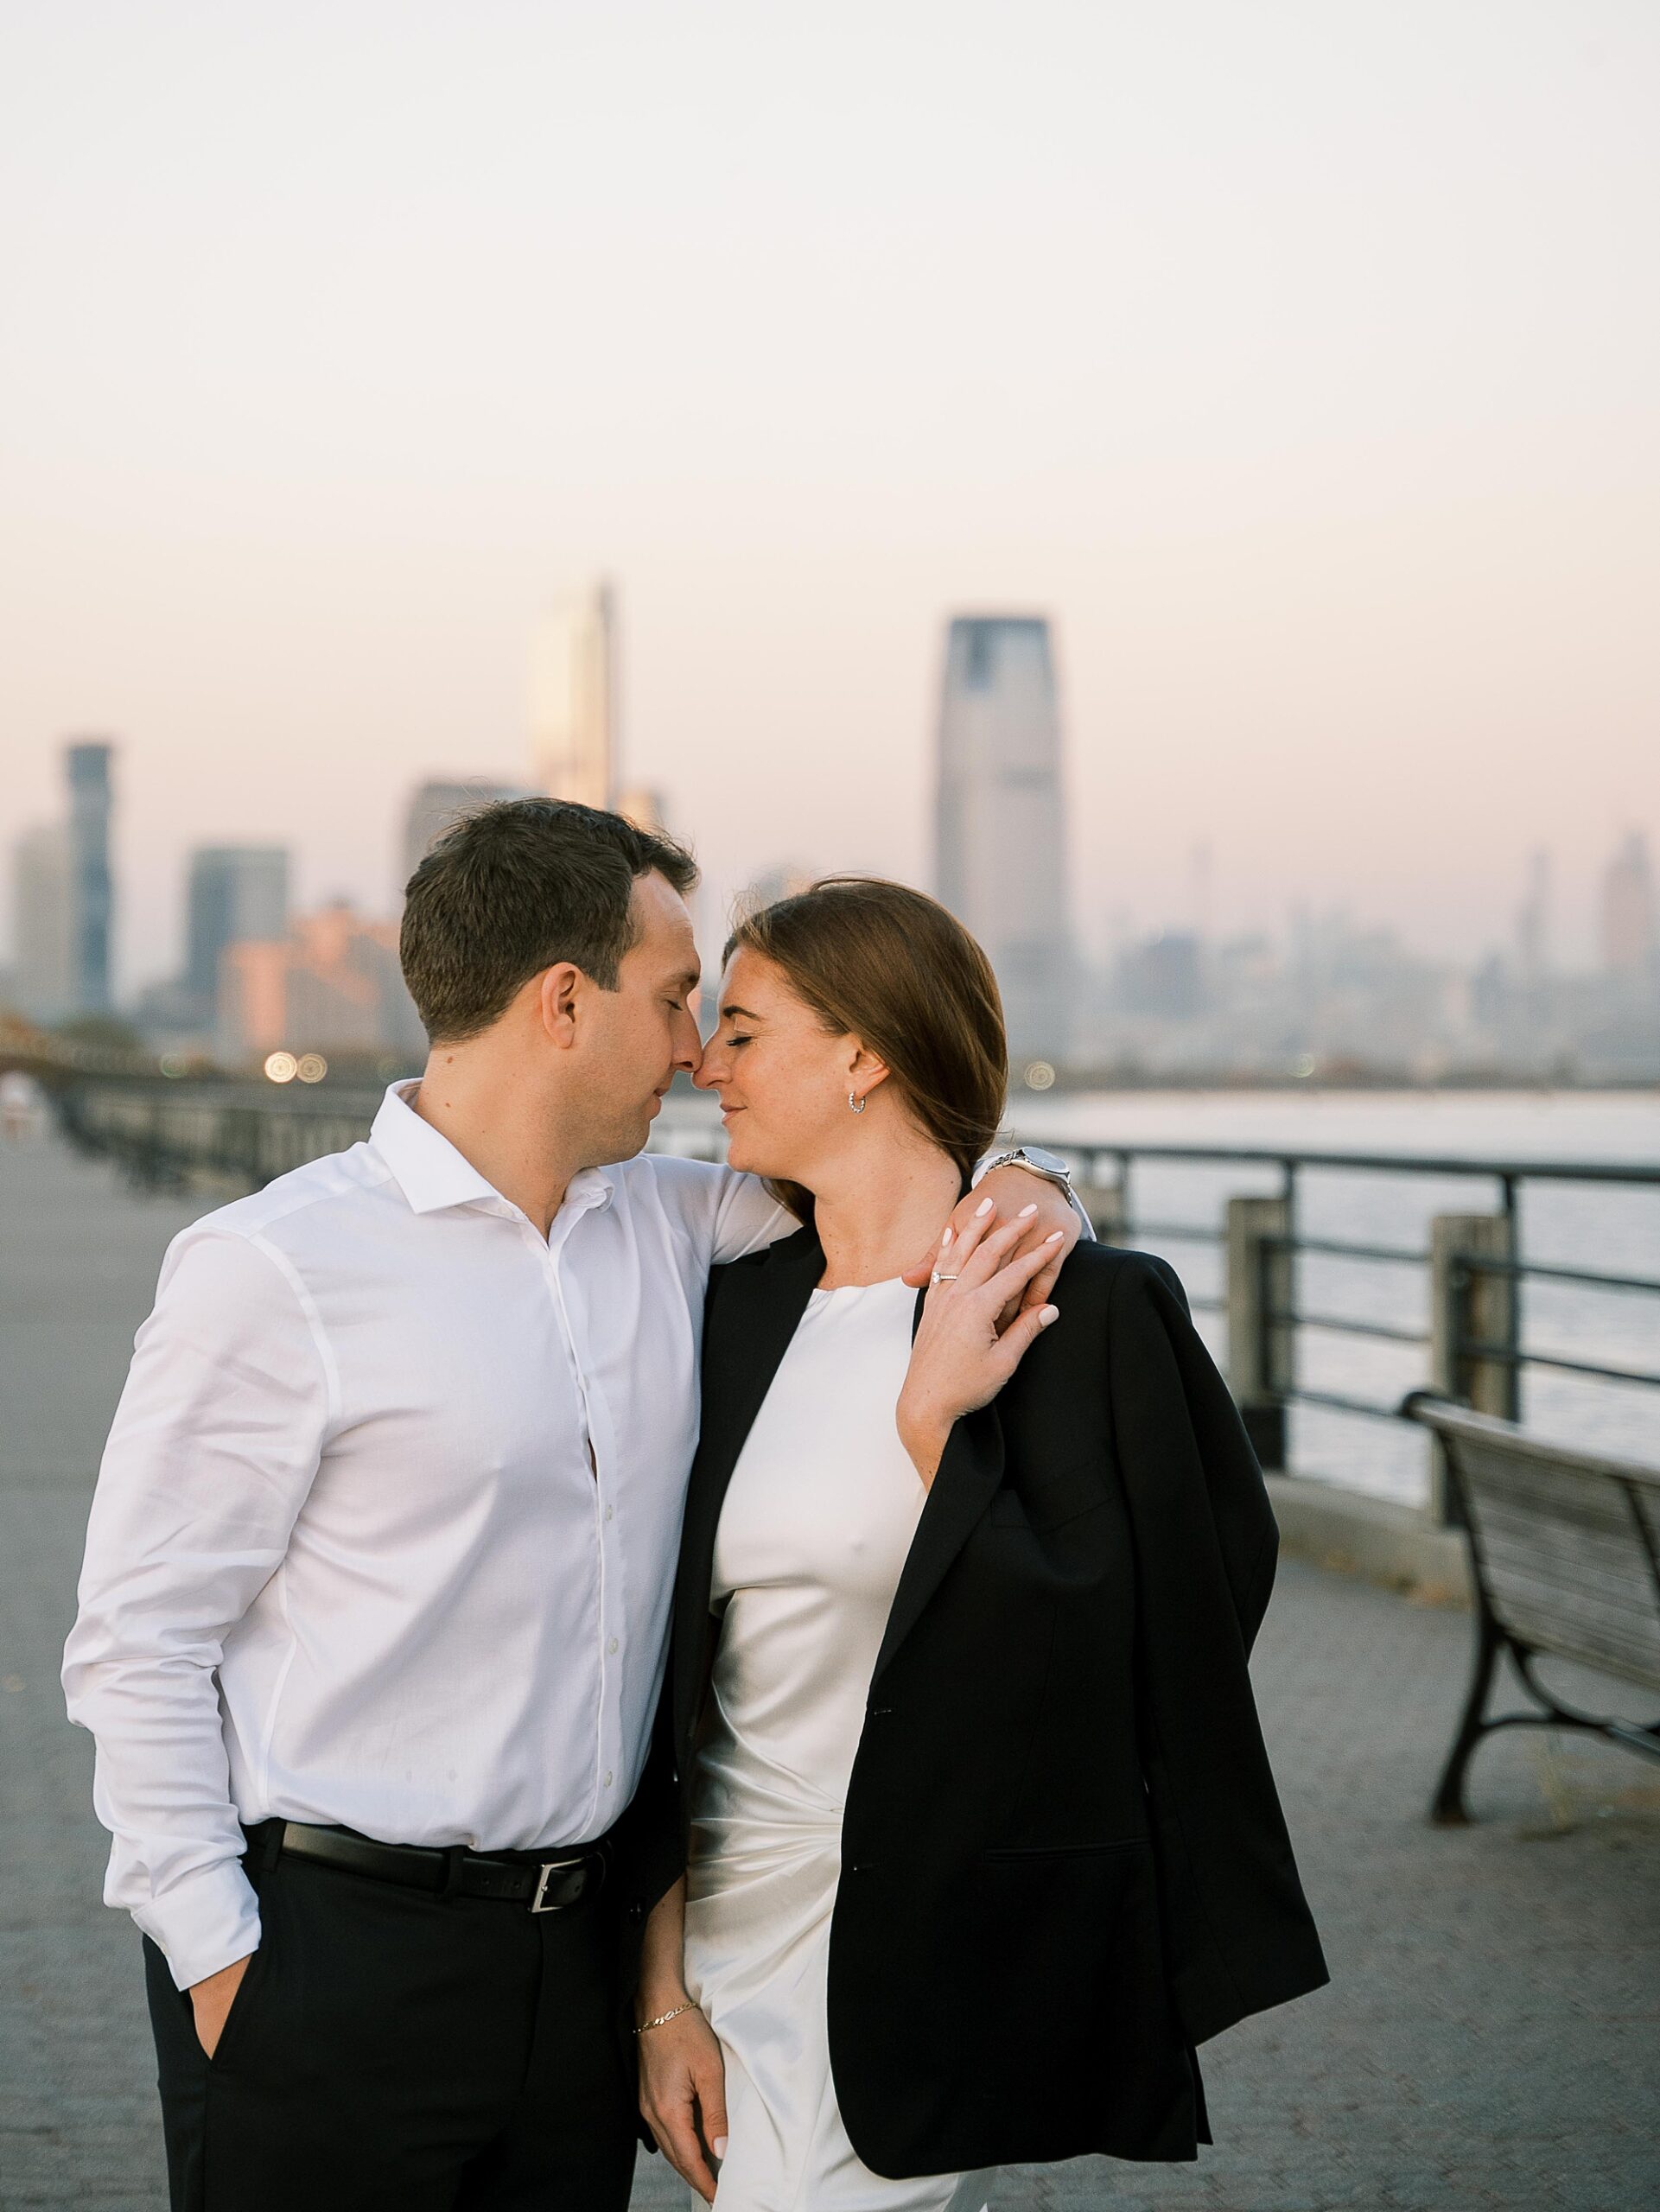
(91,892)
(999,827)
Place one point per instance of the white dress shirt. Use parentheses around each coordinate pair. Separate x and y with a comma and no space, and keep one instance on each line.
(385,1530)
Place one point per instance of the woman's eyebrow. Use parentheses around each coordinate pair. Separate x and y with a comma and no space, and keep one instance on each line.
(738,1013)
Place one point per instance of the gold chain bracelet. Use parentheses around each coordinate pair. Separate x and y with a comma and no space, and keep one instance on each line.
(663,2018)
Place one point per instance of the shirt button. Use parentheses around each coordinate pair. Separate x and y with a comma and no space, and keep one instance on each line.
(612,1645)
(608,1779)
(607,1512)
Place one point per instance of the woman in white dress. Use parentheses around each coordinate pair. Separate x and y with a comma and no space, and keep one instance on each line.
(1070,1862)
(813,1537)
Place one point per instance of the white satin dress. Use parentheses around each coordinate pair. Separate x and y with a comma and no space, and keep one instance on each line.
(813,1533)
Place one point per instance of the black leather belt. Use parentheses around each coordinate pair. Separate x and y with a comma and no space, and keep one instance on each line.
(542,1884)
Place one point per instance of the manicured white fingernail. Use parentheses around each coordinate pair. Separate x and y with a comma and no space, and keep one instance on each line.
(719,2147)
(1046,1314)
(984,1207)
(945,1240)
(1056,1238)
(1026,1213)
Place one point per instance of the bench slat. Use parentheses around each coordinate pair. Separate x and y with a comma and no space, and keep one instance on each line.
(1534,1612)
(1617,1604)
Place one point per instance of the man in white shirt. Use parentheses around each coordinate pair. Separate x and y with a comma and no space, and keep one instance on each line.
(373,1613)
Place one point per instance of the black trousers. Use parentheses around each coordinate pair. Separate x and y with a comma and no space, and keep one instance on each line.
(392,2051)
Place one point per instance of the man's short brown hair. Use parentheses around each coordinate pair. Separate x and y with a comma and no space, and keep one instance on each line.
(515,888)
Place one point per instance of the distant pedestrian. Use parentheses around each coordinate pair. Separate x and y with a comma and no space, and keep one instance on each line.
(20,1106)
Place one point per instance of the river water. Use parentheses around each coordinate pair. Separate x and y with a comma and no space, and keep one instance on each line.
(1612,1230)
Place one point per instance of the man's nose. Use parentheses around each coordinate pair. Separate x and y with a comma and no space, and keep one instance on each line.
(690,1053)
(709,1071)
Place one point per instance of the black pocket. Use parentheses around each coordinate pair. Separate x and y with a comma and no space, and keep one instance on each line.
(1045,1501)
(234,2019)
(1022,1854)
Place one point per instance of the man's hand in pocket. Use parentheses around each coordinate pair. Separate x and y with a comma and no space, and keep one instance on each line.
(211,2001)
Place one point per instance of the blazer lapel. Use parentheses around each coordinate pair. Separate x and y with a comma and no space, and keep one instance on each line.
(751,1325)
(969,1474)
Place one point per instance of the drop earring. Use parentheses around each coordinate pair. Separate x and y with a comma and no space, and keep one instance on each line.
(857,1103)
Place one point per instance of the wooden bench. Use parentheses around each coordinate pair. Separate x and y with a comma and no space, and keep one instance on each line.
(1565,1557)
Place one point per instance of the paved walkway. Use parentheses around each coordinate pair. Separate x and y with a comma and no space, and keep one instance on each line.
(1490,2039)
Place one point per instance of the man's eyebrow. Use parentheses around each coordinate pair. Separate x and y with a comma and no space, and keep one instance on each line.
(730,1013)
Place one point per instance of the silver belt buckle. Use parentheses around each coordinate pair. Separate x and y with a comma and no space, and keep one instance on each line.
(550,1866)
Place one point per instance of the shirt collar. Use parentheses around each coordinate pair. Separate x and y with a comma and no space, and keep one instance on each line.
(431,1173)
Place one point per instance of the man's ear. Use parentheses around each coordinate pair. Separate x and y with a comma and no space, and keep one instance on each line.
(558,991)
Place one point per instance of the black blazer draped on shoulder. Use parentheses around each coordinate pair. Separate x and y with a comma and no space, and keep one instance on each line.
(1063,1861)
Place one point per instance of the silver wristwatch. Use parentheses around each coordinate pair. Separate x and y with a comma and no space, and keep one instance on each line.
(1049,1165)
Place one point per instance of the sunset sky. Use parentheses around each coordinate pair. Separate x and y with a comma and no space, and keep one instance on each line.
(1300,358)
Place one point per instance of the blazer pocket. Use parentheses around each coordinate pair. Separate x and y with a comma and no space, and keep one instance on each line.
(1024,1854)
(1059,1494)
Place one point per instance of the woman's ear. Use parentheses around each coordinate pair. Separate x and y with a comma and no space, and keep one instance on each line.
(866,1069)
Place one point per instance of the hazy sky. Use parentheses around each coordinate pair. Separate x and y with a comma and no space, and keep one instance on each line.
(1302,357)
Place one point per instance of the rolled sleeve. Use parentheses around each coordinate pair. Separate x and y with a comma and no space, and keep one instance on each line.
(215,1446)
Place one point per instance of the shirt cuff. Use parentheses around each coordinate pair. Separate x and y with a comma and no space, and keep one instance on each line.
(207,1920)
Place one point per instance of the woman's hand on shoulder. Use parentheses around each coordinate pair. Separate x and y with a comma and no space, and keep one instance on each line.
(963,1355)
(683,2096)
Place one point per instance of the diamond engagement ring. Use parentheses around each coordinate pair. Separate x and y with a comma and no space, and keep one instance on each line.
(938,1277)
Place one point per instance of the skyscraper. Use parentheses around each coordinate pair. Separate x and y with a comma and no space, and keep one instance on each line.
(1626,909)
(433,807)
(574,698)
(1000,830)
(42,925)
(91,895)
(237,894)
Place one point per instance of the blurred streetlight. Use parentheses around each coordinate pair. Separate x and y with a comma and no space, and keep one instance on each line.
(280,1067)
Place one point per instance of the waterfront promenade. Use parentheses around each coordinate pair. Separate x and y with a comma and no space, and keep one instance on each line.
(1491,2038)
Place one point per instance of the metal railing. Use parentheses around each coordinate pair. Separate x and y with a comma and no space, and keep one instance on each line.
(1475,1346)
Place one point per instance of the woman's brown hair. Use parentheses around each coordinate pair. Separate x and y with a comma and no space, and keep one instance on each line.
(892,967)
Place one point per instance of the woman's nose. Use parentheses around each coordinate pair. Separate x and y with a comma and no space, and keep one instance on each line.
(707,1072)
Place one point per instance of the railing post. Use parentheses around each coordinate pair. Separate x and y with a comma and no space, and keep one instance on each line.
(1260,1346)
(1470,1306)
(1105,1203)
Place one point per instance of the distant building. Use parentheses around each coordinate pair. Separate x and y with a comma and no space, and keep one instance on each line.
(1533,923)
(999,828)
(645,807)
(333,987)
(236,895)
(1163,976)
(43,938)
(1626,914)
(91,889)
(434,807)
(573,732)
(784,881)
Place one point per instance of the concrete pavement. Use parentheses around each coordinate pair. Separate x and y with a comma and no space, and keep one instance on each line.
(1490,2039)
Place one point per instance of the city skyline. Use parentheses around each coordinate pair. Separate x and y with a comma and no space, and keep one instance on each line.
(1610,910)
(1334,991)
(1302,366)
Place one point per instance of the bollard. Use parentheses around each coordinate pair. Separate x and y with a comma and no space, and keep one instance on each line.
(1106,1204)
(1470,1306)
(1259,1345)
